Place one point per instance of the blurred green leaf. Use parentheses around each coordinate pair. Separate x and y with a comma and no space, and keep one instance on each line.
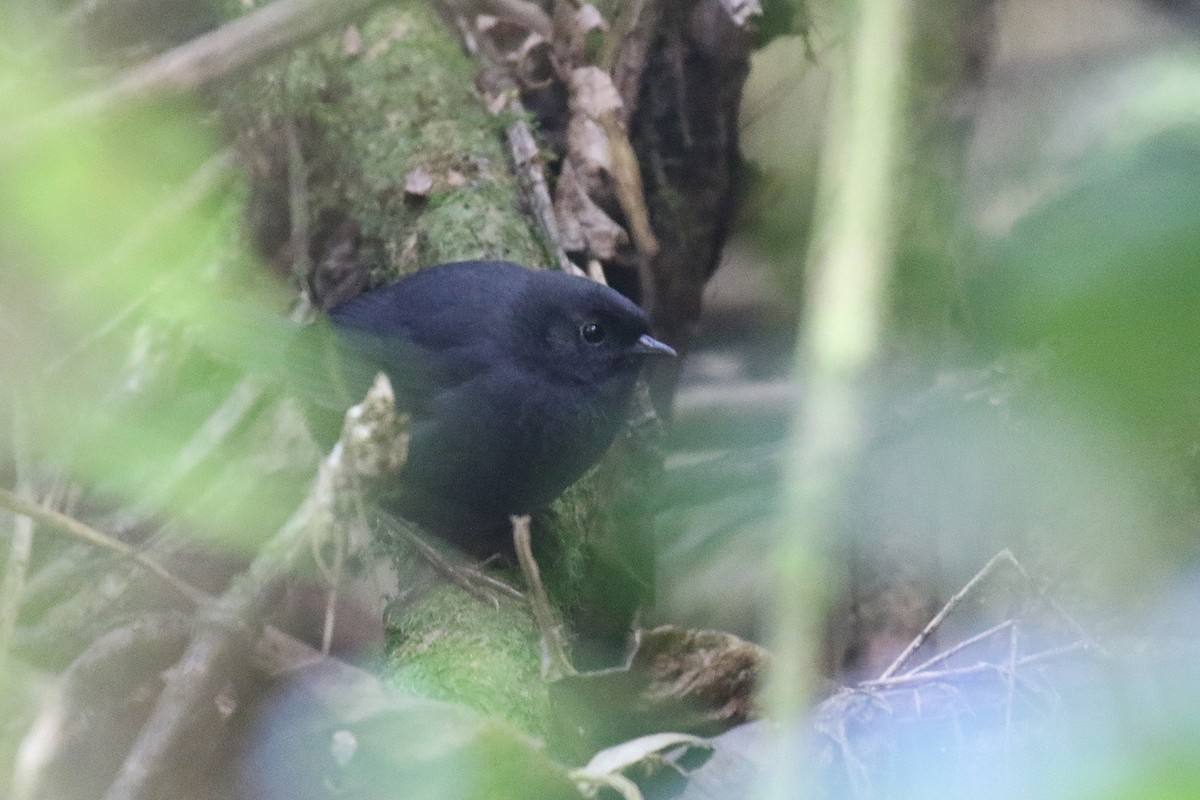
(121,259)
(1109,273)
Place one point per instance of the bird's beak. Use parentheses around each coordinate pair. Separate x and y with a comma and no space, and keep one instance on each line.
(649,346)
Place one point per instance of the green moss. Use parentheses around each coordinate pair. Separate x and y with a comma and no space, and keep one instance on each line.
(573,519)
(450,646)
(367,117)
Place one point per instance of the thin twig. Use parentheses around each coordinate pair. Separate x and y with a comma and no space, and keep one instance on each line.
(555,663)
(958,648)
(974,669)
(940,617)
(1004,556)
(1011,690)
(276,651)
(332,570)
(467,578)
(533,183)
(274,639)
(342,540)
(926,665)
(333,574)
(73,527)
(526,156)
(1055,606)
(297,180)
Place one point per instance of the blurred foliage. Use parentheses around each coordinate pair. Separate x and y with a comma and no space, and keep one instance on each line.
(1174,777)
(783,103)
(1107,271)
(124,292)
(1042,384)
(409,748)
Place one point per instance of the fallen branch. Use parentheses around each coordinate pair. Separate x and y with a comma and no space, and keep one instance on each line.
(532,177)
(228,50)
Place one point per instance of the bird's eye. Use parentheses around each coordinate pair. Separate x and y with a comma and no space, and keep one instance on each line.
(593,332)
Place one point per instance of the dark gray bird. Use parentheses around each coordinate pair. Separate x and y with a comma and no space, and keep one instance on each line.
(517,380)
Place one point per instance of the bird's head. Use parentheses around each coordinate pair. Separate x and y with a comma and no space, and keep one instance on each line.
(581,331)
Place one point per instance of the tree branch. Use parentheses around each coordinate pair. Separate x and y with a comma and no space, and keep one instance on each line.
(228,50)
(187,699)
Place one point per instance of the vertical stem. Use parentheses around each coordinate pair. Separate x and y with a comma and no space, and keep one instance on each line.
(20,543)
(297,178)
(849,263)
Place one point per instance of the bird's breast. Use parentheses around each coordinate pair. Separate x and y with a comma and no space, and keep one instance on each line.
(506,445)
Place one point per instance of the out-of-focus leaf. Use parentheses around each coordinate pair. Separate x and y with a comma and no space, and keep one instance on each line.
(405,748)
(1109,273)
(119,257)
(622,756)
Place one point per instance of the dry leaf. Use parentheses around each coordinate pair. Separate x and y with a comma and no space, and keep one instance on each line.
(583,225)
(588,19)
(714,671)
(497,103)
(352,42)
(593,93)
(418,183)
(598,145)
(626,754)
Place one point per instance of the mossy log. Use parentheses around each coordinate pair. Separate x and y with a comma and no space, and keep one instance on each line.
(372,155)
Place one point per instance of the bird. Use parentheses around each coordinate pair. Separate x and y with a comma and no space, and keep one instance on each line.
(517,381)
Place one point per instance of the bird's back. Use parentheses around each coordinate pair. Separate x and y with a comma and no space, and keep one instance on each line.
(508,404)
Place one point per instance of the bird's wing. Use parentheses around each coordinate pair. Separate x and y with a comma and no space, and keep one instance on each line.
(451,307)
(431,331)
(331,367)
